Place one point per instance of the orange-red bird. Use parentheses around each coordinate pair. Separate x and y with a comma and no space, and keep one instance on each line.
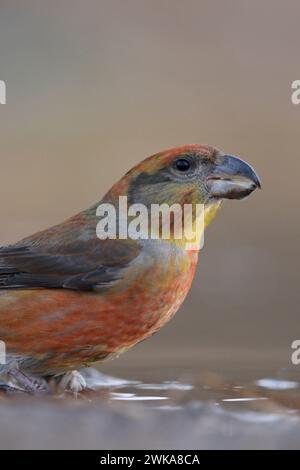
(69,299)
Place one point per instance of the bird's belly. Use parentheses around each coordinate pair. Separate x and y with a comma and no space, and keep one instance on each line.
(61,329)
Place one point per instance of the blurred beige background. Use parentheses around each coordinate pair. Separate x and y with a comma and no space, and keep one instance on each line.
(94,86)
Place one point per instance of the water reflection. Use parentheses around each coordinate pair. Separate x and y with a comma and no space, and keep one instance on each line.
(152,411)
(275,384)
(265,395)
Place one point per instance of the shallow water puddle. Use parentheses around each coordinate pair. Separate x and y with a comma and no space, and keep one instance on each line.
(268,395)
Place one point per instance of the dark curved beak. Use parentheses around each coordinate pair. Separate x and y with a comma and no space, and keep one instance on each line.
(232,178)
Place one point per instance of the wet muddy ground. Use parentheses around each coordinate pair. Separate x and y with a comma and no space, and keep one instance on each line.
(157,409)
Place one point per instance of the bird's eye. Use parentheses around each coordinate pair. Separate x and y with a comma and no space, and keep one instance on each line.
(182,164)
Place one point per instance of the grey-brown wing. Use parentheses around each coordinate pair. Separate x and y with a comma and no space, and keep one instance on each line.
(75,265)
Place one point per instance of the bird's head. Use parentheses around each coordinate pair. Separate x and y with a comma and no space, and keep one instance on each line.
(192,174)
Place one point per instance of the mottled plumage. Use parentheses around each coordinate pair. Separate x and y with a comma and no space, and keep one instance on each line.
(68,299)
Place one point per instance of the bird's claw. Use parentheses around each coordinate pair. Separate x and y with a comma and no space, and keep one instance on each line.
(72,381)
(25,383)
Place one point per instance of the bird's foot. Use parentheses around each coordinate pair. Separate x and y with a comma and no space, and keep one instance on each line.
(73,382)
(4,387)
(24,382)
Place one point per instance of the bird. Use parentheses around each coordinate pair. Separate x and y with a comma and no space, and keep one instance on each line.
(70,299)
